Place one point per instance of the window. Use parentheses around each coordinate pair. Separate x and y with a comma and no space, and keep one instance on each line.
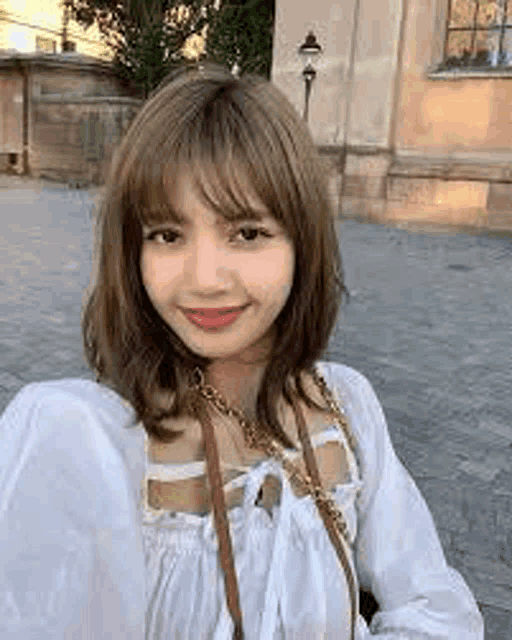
(46,45)
(478,35)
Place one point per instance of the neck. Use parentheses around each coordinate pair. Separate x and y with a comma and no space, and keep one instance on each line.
(239,383)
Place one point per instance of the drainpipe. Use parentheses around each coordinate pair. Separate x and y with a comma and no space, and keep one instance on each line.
(350,75)
(26,167)
(397,89)
(22,68)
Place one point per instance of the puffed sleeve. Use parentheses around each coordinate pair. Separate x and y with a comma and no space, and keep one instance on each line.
(398,554)
(70,566)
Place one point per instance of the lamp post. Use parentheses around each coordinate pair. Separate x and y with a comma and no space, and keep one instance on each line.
(235,69)
(308,50)
(66,45)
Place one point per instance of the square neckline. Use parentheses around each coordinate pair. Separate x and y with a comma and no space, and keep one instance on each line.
(167,471)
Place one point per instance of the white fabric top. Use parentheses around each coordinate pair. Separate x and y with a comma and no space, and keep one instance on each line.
(83,557)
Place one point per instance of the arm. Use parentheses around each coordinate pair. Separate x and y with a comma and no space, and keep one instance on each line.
(398,555)
(69,565)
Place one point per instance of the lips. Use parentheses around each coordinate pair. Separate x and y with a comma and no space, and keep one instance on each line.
(214,313)
(214,319)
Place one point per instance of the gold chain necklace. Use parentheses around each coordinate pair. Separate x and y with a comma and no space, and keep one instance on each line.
(257,439)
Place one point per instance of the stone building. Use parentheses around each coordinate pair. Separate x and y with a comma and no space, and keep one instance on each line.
(62,110)
(60,106)
(62,116)
(410,105)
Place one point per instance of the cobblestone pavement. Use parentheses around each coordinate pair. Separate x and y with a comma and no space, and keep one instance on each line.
(429,323)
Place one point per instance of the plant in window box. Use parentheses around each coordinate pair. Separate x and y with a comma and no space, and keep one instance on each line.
(482,58)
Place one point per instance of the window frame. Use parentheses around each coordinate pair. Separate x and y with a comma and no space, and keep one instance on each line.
(441,30)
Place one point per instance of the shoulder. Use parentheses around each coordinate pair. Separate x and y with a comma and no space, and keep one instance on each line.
(72,413)
(358,401)
(69,399)
(353,391)
(357,398)
(69,394)
(344,375)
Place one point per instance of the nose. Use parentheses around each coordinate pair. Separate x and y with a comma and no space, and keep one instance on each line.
(207,265)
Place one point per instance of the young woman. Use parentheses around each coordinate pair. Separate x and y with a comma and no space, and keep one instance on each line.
(175,498)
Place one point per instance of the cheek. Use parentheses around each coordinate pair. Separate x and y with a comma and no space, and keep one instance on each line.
(156,272)
(271,279)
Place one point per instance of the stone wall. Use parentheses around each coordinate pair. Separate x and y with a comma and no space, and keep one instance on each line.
(421,192)
(75,140)
(75,115)
(11,98)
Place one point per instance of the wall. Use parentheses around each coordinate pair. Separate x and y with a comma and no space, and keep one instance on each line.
(75,140)
(443,113)
(403,143)
(352,103)
(453,139)
(11,112)
(77,114)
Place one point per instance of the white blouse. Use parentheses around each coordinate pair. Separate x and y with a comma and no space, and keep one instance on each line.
(85,557)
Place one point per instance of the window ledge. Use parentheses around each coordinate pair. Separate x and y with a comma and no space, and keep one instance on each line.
(455,74)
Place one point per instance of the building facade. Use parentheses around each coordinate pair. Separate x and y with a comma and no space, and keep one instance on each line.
(29,26)
(62,111)
(410,105)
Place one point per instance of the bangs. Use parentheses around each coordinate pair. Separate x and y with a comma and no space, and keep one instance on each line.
(237,165)
(224,192)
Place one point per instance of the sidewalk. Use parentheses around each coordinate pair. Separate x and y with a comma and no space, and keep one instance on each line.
(429,323)
(24,182)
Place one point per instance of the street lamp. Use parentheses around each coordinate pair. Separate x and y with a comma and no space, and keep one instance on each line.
(66,45)
(308,50)
(235,69)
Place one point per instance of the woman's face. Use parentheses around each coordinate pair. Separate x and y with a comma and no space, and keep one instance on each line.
(205,263)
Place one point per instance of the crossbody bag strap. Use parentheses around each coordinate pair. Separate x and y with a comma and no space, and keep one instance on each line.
(222,524)
(220,515)
(334,535)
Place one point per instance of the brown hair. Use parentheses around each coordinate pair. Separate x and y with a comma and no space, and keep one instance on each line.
(207,119)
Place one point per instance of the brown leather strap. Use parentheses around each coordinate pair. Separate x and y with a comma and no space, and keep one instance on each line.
(222,524)
(220,515)
(326,517)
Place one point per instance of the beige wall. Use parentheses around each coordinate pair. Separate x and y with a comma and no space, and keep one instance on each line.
(372,97)
(447,116)
(11,112)
(332,26)
(371,101)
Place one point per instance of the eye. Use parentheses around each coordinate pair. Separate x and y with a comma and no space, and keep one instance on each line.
(250,235)
(253,233)
(168,236)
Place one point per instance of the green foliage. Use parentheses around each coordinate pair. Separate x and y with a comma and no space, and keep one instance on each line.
(242,33)
(146,58)
(147,36)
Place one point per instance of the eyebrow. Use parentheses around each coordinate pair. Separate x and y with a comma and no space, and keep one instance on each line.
(181,219)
